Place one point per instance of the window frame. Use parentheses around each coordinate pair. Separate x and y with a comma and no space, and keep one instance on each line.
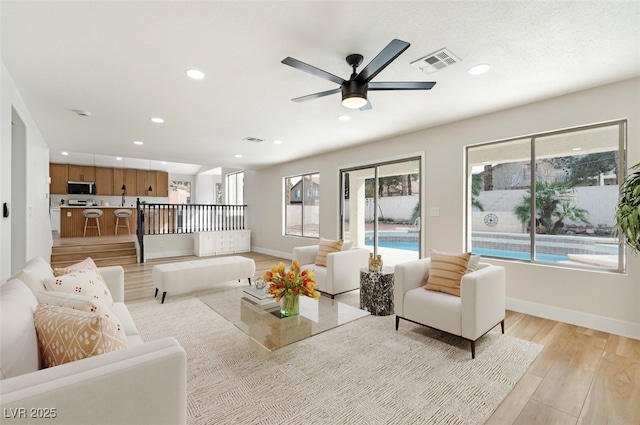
(304,193)
(622,171)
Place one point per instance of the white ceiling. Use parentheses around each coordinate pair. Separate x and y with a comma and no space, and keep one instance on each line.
(124,62)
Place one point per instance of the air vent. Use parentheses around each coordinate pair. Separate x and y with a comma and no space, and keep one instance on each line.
(435,61)
(253,140)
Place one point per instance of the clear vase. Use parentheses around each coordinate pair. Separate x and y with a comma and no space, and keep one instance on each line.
(290,305)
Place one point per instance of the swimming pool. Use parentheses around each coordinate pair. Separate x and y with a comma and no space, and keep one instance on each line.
(487,252)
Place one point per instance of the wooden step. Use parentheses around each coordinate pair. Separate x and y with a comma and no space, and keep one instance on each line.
(103,254)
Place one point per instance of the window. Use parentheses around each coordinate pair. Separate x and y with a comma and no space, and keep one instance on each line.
(548,198)
(235,188)
(302,205)
(179,192)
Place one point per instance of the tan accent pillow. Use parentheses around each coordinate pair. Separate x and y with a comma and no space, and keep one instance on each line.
(66,335)
(446,271)
(87,282)
(87,263)
(325,247)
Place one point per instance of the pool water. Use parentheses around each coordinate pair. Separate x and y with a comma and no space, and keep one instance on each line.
(487,252)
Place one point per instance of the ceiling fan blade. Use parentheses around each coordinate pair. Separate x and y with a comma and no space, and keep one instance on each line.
(384,58)
(312,70)
(316,95)
(402,85)
(367,106)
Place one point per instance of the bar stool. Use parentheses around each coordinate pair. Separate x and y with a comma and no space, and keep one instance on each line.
(91,213)
(124,214)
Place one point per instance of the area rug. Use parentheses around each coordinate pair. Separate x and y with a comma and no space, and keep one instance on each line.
(364,372)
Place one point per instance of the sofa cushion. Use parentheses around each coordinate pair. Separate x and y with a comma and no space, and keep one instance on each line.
(34,273)
(66,335)
(75,301)
(87,263)
(86,282)
(446,271)
(18,342)
(325,247)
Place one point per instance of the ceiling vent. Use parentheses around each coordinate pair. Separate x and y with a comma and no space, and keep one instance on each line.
(252,140)
(435,61)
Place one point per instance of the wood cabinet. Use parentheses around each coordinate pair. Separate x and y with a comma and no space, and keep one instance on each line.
(162,182)
(104,181)
(109,180)
(127,177)
(82,173)
(59,177)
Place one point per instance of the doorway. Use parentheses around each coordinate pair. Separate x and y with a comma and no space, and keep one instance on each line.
(18,205)
(381,209)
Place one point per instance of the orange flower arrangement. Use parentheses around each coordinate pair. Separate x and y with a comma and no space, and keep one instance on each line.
(295,281)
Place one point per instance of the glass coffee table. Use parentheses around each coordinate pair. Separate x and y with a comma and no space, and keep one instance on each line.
(267,328)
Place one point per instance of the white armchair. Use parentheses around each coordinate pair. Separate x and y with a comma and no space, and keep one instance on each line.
(342,273)
(480,307)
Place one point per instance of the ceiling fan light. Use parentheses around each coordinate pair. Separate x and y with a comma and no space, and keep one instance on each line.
(354,101)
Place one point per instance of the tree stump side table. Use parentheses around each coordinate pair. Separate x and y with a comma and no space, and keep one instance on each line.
(376,291)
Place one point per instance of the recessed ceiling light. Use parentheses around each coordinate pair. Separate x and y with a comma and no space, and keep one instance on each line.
(118,158)
(479,69)
(65,153)
(238,155)
(195,74)
(277,142)
(137,142)
(577,149)
(157,120)
(164,162)
(344,117)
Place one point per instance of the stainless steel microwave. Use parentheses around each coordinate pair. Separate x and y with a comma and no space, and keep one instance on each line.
(81,188)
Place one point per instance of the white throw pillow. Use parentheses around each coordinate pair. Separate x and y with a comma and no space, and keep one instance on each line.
(19,352)
(75,301)
(85,282)
(474,261)
(34,273)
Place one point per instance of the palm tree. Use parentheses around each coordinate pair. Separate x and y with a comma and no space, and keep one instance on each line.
(554,204)
(476,184)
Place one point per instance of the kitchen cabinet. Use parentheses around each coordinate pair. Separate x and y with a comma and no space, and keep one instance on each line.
(82,173)
(126,176)
(104,181)
(142,183)
(59,177)
(162,181)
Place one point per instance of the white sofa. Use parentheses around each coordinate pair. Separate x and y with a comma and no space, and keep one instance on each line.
(479,308)
(342,273)
(144,383)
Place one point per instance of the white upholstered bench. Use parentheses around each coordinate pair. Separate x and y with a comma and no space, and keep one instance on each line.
(194,275)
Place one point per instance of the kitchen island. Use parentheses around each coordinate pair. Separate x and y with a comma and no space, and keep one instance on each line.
(72,221)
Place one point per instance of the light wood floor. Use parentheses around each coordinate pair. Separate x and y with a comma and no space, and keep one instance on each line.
(581,376)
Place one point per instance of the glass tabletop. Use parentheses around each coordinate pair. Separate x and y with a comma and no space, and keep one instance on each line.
(270,330)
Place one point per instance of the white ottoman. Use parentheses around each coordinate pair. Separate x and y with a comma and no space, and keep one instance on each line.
(194,275)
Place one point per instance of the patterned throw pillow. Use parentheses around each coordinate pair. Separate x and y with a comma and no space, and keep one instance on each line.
(75,301)
(87,263)
(446,271)
(85,282)
(325,247)
(66,335)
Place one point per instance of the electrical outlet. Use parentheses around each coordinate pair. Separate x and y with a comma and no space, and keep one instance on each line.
(68,213)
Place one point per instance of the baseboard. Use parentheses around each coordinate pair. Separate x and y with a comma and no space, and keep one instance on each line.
(591,321)
(272,252)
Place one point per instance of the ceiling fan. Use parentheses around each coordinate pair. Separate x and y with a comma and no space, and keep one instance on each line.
(354,90)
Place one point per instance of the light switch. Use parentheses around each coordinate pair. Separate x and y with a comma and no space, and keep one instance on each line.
(435,212)
(68,213)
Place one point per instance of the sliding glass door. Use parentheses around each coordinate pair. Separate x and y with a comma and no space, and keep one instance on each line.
(380,209)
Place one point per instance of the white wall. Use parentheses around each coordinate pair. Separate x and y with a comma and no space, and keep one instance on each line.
(600,300)
(205,189)
(36,174)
